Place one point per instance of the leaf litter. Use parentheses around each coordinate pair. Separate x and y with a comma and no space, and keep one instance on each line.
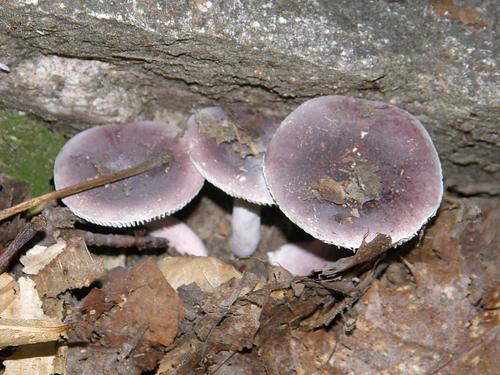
(429,306)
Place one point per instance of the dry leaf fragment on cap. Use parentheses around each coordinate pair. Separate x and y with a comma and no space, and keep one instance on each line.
(206,272)
(73,268)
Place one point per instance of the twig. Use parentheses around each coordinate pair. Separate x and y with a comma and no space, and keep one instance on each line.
(83,186)
(120,240)
(26,234)
(129,346)
(223,362)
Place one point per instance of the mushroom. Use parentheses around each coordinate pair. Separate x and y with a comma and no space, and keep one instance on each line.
(227,147)
(135,200)
(179,236)
(302,258)
(345,169)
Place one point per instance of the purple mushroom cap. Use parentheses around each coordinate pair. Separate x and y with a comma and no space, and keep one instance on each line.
(135,200)
(227,148)
(344,169)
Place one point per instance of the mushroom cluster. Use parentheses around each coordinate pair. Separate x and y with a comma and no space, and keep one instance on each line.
(342,169)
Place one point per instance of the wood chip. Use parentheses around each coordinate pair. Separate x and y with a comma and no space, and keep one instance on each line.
(72,268)
(9,288)
(39,256)
(39,357)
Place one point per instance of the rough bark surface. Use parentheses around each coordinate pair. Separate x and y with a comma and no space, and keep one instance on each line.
(74,63)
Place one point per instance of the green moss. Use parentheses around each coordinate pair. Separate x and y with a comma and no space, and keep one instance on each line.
(28,151)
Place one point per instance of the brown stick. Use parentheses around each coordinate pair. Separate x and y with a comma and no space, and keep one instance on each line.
(119,240)
(83,186)
(26,234)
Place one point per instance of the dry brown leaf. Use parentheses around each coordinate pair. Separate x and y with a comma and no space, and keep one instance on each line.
(237,330)
(179,360)
(206,272)
(428,325)
(136,311)
(72,268)
(39,256)
(9,288)
(93,360)
(292,351)
(29,331)
(366,252)
(222,328)
(242,330)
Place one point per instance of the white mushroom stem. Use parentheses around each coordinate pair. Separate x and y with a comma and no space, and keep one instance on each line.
(245,222)
(301,258)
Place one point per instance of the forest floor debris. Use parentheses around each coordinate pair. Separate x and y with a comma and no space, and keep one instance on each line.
(429,306)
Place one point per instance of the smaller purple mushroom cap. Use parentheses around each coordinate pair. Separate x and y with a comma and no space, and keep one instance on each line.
(135,200)
(227,147)
(344,168)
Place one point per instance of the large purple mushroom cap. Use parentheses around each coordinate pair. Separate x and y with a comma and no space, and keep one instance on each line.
(344,169)
(135,200)
(227,148)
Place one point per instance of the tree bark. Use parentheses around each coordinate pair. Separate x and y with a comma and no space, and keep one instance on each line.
(85,62)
